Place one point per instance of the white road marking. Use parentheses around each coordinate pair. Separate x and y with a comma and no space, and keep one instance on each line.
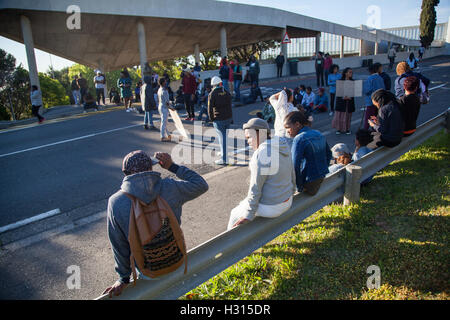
(24,222)
(69,140)
(440,86)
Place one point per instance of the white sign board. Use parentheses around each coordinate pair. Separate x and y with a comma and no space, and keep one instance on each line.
(348,88)
(178,124)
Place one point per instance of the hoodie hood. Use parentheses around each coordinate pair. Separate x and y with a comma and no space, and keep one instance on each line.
(145,186)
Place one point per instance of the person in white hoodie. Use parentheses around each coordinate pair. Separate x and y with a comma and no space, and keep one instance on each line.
(272,177)
(36,102)
(282,104)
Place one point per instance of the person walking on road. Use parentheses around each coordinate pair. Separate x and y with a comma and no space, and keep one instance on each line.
(421,52)
(76,91)
(272,176)
(163,108)
(221,114)
(99,83)
(345,106)
(311,154)
(142,182)
(280,59)
(83,85)
(125,83)
(224,73)
(412,61)
(36,103)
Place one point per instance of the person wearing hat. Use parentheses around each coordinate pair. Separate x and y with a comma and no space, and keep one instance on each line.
(99,82)
(145,184)
(221,114)
(189,83)
(341,155)
(311,154)
(272,177)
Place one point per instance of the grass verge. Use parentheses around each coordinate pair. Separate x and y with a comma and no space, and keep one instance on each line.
(401,225)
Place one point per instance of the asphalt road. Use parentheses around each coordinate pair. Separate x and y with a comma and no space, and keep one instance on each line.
(74,165)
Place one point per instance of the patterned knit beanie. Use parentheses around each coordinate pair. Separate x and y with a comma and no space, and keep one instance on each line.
(136,162)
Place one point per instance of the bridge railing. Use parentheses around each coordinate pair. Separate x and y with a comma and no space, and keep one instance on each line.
(212,257)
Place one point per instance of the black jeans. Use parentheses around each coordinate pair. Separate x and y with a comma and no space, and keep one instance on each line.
(332,100)
(100,92)
(320,77)
(189,104)
(83,92)
(35,112)
(254,79)
(279,71)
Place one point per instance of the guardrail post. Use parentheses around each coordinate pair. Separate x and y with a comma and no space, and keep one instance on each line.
(447,122)
(352,185)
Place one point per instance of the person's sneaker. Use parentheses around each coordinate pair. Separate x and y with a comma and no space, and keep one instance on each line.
(331,113)
(128,110)
(165,140)
(220,162)
(348,132)
(187,118)
(145,127)
(152,127)
(338,132)
(42,120)
(84,111)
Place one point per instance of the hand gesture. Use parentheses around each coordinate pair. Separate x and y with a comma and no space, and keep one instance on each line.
(165,160)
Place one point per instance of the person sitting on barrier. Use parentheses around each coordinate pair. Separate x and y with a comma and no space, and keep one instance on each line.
(363,138)
(320,102)
(342,157)
(388,125)
(272,178)
(311,154)
(410,105)
(143,183)
(282,104)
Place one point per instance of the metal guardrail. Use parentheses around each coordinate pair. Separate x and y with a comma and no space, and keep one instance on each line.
(224,250)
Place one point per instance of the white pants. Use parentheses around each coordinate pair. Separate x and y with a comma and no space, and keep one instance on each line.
(164,113)
(264,210)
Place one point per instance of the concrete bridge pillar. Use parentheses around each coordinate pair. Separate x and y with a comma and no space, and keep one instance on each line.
(29,47)
(285,53)
(197,53)
(342,47)
(142,47)
(318,42)
(223,42)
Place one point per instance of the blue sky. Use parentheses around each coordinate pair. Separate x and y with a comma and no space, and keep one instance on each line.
(393,13)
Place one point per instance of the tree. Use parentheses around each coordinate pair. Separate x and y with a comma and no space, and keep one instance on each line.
(242,53)
(53,92)
(15,96)
(428,22)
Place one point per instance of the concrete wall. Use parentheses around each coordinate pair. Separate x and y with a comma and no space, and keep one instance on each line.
(304,67)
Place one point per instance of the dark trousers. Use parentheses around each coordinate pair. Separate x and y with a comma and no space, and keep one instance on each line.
(100,92)
(320,77)
(189,104)
(311,188)
(391,62)
(35,112)
(332,101)
(83,92)
(254,79)
(279,71)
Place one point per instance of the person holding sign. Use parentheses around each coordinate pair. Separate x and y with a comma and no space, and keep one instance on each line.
(345,106)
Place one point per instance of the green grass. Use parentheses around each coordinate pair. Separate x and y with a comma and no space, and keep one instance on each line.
(401,224)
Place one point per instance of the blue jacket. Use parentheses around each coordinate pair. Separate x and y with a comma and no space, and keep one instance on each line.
(372,84)
(332,78)
(318,100)
(311,156)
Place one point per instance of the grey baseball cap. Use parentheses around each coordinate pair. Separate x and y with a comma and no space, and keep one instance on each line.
(257,124)
(339,149)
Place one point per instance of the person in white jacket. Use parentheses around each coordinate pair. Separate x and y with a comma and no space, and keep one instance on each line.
(282,104)
(36,102)
(272,177)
